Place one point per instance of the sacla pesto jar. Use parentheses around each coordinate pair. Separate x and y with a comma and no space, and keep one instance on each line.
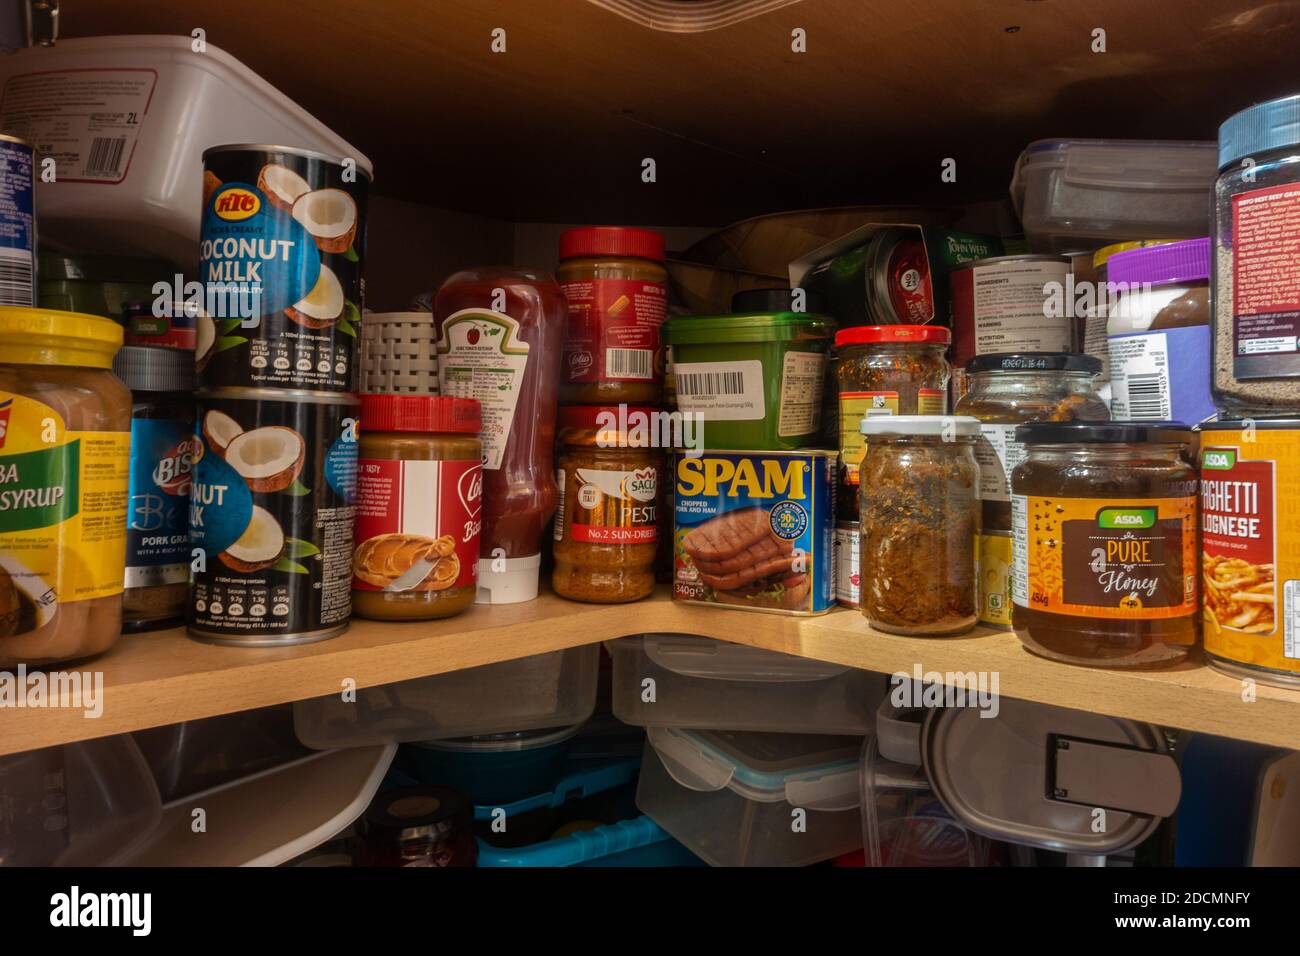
(65,439)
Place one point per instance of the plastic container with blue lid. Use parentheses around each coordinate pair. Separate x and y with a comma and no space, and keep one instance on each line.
(730,796)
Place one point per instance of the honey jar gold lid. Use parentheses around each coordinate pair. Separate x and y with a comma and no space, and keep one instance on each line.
(50,337)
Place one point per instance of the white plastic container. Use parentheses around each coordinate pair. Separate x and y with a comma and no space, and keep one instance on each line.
(547,690)
(730,797)
(705,684)
(127,120)
(1074,195)
(85,804)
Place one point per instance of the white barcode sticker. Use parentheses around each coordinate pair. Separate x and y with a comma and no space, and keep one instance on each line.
(86,120)
(1139,378)
(630,364)
(721,391)
(16,286)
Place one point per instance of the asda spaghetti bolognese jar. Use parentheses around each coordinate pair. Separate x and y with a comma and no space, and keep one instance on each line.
(1104,547)
(617,288)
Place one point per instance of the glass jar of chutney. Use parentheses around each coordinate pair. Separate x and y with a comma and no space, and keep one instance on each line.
(1104,541)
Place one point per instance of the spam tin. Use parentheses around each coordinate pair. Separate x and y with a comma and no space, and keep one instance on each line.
(755,530)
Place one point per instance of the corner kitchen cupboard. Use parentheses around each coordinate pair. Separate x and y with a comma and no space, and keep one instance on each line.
(483,156)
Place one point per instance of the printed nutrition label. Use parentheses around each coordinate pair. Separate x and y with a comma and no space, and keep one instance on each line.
(87,120)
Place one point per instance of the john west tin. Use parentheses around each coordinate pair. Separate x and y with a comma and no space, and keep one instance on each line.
(271,509)
(17,221)
(755,529)
(281,250)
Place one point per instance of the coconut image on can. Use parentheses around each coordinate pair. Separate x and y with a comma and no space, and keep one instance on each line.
(282,247)
(272,504)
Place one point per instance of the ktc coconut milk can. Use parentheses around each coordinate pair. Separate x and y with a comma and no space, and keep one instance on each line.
(281,251)
(271,509)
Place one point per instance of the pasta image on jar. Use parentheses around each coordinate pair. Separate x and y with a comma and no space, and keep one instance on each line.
(606,526)
(920,521)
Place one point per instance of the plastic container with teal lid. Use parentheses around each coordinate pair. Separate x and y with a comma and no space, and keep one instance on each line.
(754,380)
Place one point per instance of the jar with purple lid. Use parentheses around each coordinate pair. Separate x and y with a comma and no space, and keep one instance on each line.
(1158,333)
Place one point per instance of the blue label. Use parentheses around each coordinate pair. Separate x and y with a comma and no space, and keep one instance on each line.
(16,224)
(221,504)
(255,259)
(1162,376)
(157,520)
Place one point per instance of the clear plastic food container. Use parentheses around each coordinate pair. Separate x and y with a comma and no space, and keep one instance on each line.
(1074,195)
(547,690)
(729,797)
(706,684)
(84,804)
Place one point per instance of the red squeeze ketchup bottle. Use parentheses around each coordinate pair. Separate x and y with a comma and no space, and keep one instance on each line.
(500,340)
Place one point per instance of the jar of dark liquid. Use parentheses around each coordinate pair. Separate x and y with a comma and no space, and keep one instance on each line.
(418,826)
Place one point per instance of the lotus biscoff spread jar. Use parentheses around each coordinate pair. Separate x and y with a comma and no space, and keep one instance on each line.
(419,507)
(617,289)
(1103,519)
(65,439)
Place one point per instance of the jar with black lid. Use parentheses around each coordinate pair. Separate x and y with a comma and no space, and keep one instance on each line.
(1104,534)
(162,454)
(418,826)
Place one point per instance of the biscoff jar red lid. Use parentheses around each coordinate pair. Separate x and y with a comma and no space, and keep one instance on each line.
(1104,543)
(617,289)
(65,437)
(419,506)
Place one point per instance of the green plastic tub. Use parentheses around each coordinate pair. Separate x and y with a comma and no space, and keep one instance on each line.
(755,378)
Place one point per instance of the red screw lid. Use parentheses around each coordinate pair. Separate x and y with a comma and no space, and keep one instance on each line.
(419,413)
(612,241)
(907,334)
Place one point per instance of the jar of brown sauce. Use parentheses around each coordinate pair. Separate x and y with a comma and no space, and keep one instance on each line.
(419,504)
(1104,542)
(617,289)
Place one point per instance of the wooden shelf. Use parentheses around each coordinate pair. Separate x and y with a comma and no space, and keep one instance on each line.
(163,678)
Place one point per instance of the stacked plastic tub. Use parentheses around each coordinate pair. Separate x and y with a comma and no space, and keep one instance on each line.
(752,758)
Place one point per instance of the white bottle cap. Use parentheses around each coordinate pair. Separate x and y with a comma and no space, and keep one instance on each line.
(513,584)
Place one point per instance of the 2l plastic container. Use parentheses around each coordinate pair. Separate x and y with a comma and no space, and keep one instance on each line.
(130,171)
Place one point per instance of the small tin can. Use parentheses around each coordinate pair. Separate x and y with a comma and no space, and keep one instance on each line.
(848,564)
(755,530)
(281,251)
(17,221)
(1004,304)
(161,324)
(272,505)
(1250,548)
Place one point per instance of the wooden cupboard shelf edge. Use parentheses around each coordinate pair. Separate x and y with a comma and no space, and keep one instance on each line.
(155,679)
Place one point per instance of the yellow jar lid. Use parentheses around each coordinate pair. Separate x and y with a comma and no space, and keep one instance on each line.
(50,337)
(1102,255)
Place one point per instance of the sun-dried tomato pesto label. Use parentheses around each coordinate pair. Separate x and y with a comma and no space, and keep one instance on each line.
(606,506)
(1107,558)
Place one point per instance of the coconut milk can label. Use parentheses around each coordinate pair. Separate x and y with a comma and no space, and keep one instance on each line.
(1094,557)
(62,495)
(418,524)
(157,517)
(613,331)
(481,356)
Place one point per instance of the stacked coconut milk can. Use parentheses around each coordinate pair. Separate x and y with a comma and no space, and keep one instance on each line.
(273,498)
